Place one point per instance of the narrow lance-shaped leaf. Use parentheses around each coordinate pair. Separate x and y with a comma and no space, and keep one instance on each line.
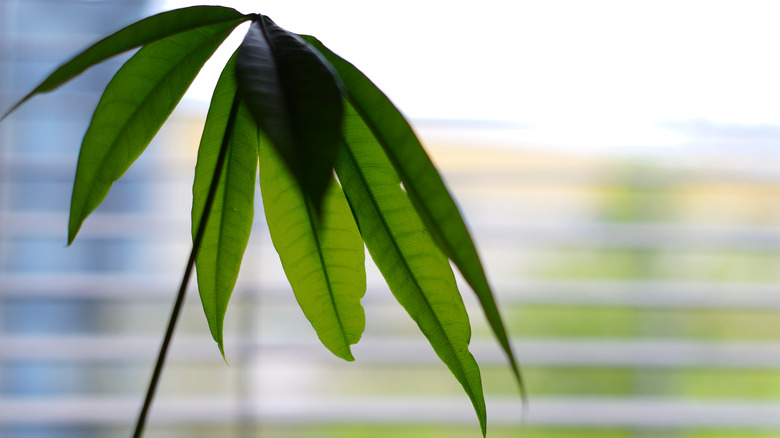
(418,274)
(425,187)
(323,259)
(232,212)
(135,35)
(134,105)
(296,101)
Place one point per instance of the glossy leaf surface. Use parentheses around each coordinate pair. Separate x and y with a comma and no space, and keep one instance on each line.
(232,212)
(424,185)
(135,35)
(418,274)
(134,105)
(324,259)
(292,89)
(296,101)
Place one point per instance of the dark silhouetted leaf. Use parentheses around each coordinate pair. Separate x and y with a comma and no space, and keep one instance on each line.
(230,219)
(134,105)
(418,274)
(424,185)
(324,259)
(135,35)
(296,101)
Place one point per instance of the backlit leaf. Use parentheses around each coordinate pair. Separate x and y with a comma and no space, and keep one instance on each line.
(135,35)
(134,105)
(324,259)
(296,101)
(418,274)
(230,218)
(424,185)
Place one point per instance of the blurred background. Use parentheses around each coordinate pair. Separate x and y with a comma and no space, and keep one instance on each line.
(618,165)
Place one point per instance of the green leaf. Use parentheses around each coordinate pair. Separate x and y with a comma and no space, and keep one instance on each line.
(324,259)
(424,185)
(418,274)
(135,35)
(230,218)
(134,105)
(296,100)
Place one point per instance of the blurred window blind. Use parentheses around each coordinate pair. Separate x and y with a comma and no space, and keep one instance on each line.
(640,291)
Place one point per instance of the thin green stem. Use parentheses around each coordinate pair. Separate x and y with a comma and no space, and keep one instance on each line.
(158,367)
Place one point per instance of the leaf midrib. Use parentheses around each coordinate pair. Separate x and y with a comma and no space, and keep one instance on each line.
(406,265)
(321,256)
(141,109)
(408,181)
(283,84)
(475,277)
(46,85)
(222,229)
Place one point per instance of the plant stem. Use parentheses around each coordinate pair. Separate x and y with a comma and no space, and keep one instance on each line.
(196,243)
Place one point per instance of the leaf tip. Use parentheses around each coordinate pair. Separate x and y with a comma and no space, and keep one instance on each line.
(343,352)
(221,346)
(482,415)
(73,229)
(15,107)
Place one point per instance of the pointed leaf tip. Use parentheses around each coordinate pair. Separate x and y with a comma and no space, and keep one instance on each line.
(427,191)
(229,130)
(133,107)
(324,260)
(417,273)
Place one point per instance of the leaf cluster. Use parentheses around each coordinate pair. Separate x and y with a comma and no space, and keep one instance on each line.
(338,165)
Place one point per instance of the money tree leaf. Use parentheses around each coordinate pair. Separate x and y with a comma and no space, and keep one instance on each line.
(135,35)
(426,189)
(296,101)
(134,105)
(418,274)
(324,259)
(232,211)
